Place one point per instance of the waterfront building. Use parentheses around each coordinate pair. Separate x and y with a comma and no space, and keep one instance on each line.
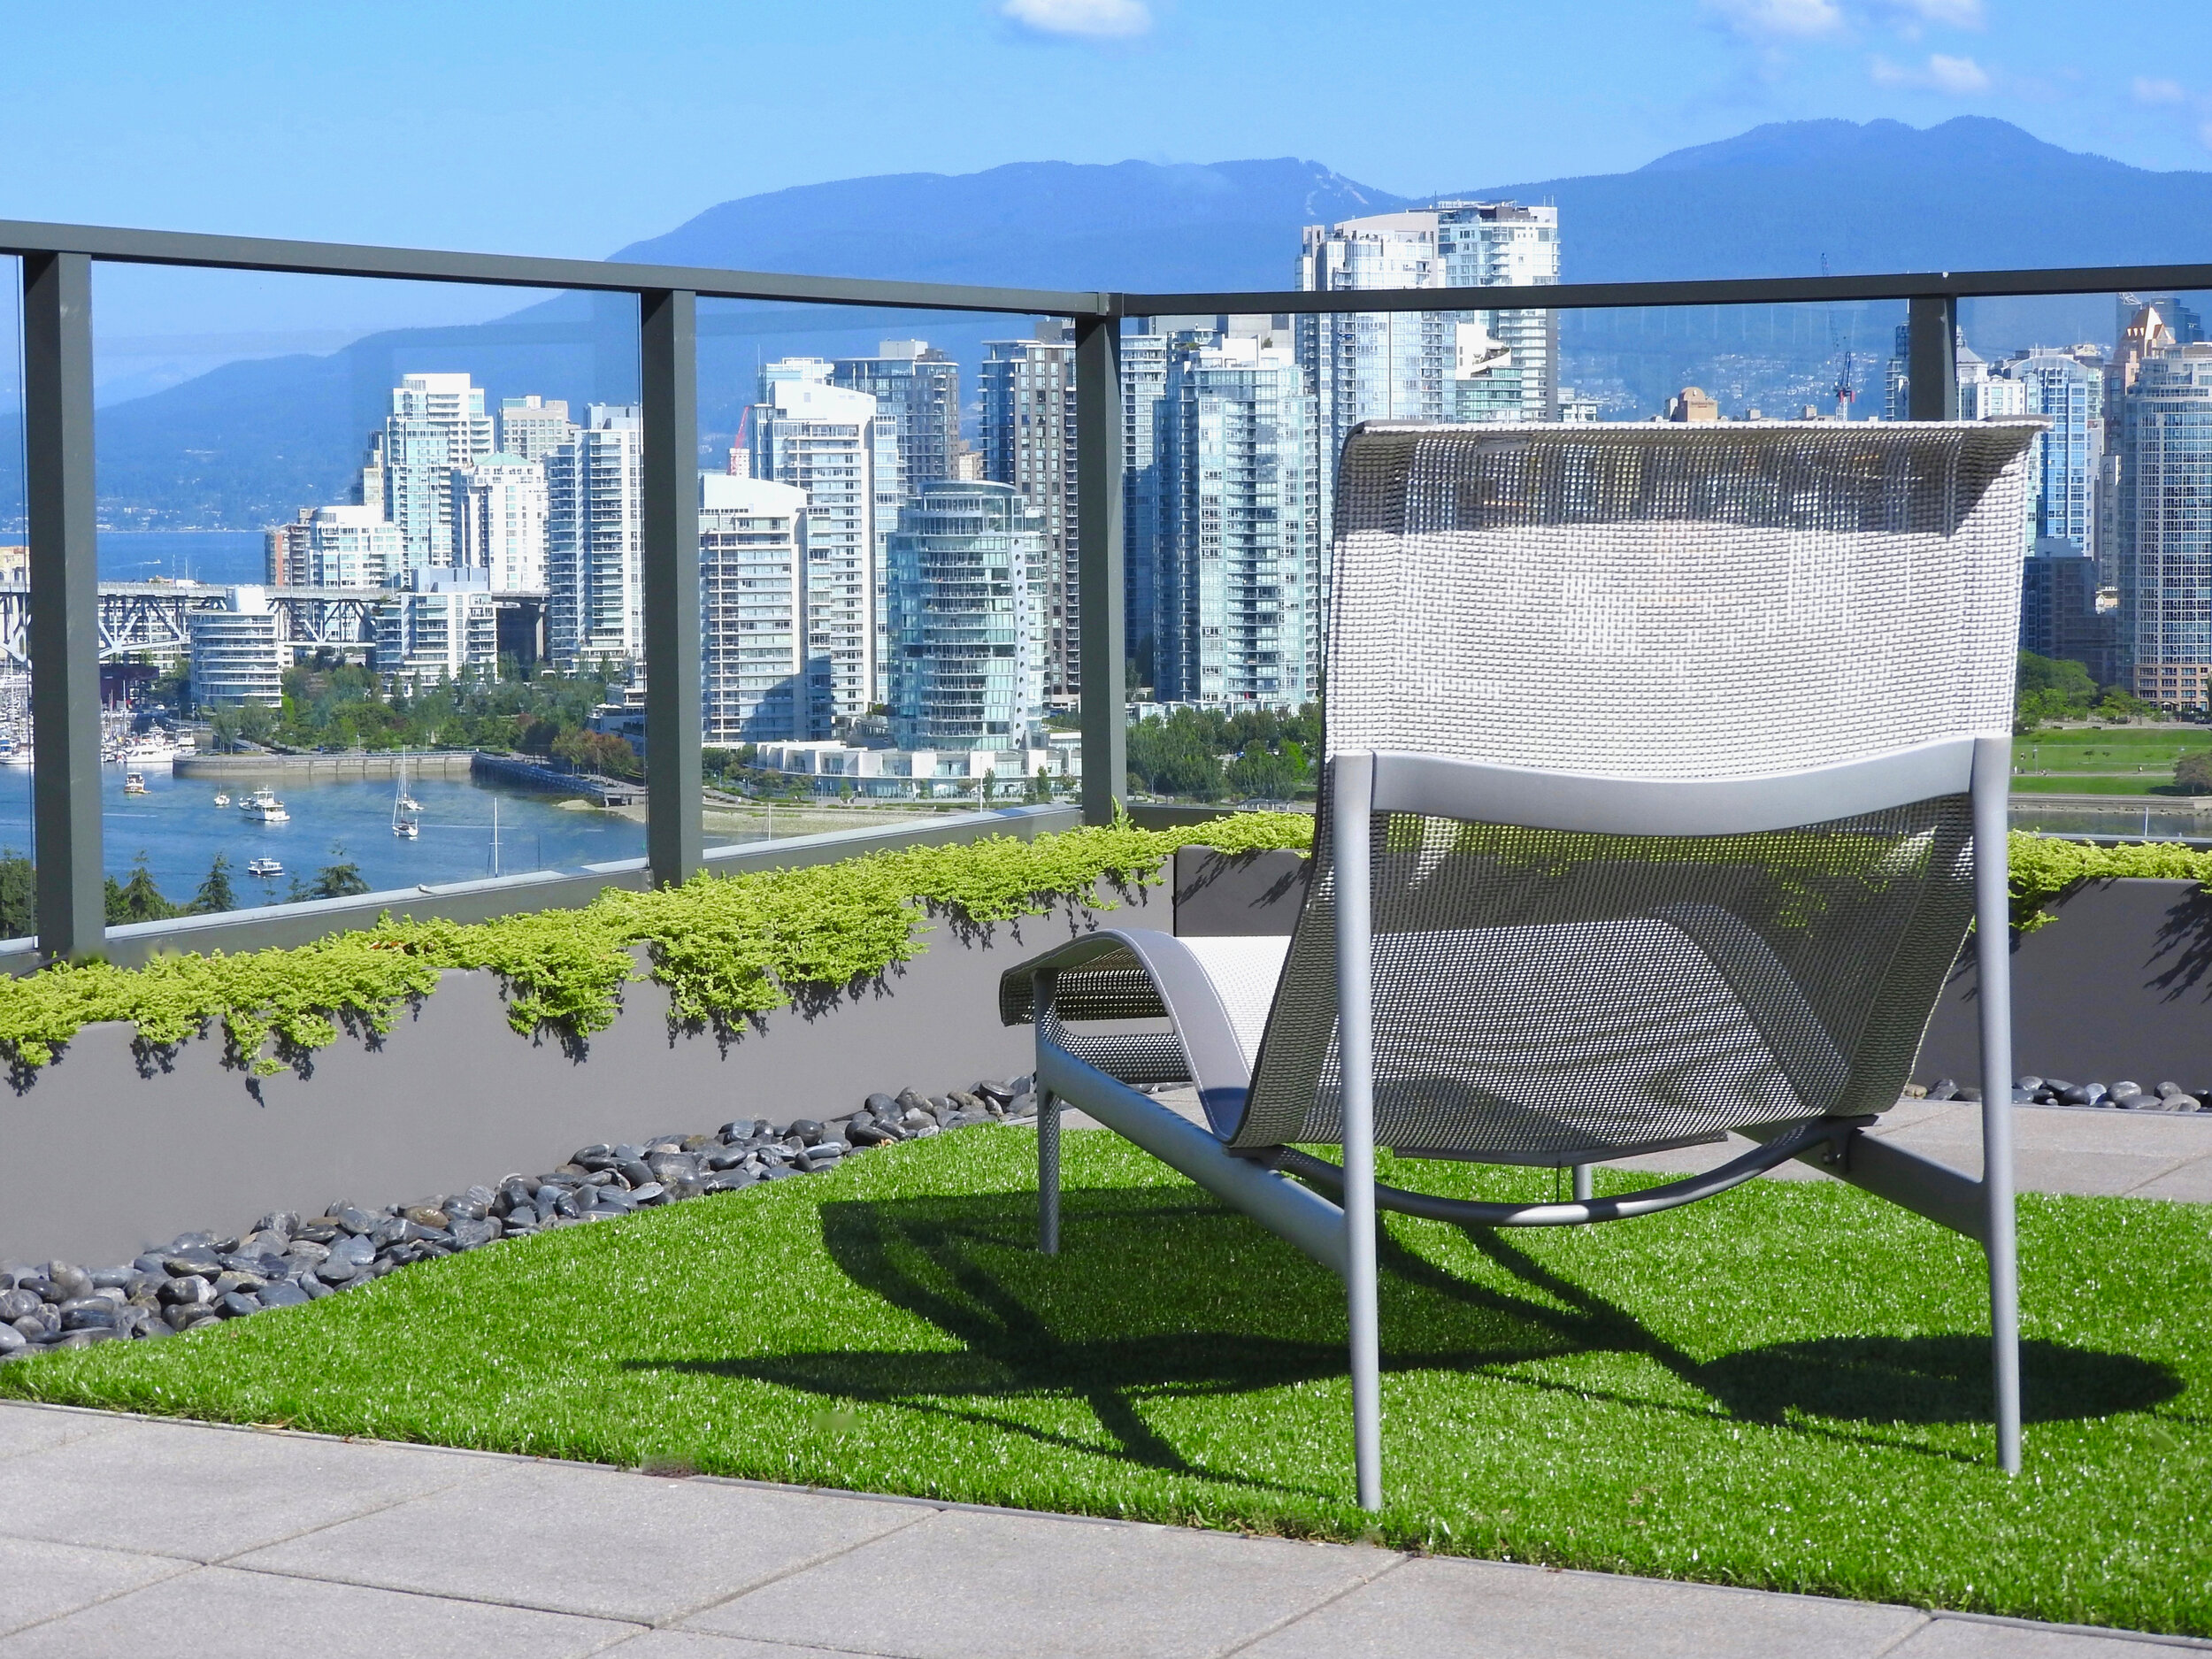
(287,550)
(368,484)
(1239,531)
(752,571)
(235,655)
(2163,534)
(1494,244)
(595,542)
(968,664)
(437,423)
(1028,392)
(499,509)
(1145,347)
(833,767)
(532,427)
(433,626)
(1374,365)
(2066,387)
(916,389)
(2059,617)
(828,442)
(351,547)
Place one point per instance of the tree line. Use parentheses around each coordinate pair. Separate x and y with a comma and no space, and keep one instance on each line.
(137,898)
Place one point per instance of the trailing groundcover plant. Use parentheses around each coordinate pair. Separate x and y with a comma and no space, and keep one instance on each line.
(728,948)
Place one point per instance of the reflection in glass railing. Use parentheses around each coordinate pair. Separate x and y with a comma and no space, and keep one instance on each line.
(890,605)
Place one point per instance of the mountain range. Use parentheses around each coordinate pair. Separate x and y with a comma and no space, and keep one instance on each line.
(242,446)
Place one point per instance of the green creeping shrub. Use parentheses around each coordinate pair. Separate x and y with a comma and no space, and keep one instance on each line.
(728,948)
(2043,869)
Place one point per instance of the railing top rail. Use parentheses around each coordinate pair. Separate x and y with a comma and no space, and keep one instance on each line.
(316,258)
(1905,285)
(256,253)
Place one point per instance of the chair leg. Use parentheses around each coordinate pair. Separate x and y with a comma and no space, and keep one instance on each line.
(1361,1293)
(1993,775)
(1049,1174)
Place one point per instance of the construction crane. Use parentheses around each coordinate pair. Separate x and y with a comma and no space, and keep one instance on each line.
(1845,391)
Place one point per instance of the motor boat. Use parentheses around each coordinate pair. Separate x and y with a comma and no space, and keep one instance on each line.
(267,869)
(262,807)
(135,783)
(222,800)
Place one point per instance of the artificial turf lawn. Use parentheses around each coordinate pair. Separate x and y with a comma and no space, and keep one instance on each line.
(1786,1387)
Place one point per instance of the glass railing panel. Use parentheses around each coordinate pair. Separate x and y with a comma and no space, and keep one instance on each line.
(1232,424)
(889,568)
(371,606)
(18,842)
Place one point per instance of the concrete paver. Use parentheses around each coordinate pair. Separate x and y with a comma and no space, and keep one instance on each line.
(342,1549)
(1495,1611)
(39,1581)
(598,1541)
(1944,1637)
(202,1493)
(219,1613)
(975,1584)
(36,1430)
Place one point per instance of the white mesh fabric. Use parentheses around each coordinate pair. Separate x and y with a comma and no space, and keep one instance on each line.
(1243,970)
(1674,601)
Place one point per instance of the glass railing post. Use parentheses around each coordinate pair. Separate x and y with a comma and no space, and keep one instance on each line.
(65,621)
(669,376)
(1098,529)
(1933,360)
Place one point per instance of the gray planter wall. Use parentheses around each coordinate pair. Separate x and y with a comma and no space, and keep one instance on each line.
(2118,986)
(103,1158)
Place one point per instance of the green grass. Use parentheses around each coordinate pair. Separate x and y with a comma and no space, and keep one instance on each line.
(2149,784)
(2174,738)
(1783,1387)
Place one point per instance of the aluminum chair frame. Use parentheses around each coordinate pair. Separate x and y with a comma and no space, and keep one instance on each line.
(1340,1235)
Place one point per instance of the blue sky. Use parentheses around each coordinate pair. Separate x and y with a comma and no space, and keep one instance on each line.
(572,128)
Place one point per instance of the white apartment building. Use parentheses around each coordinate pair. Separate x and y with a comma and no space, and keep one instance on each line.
(828,442)
(1415,365)
(499,512)
(437,423)
(1029,442)
(351,547)
(532,427)
(235,656)
(440,623)
(752,574)
(1493,244)
(967,669)
(1240,533)
(595,542)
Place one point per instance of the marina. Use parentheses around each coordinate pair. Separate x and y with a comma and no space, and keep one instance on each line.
(179,826)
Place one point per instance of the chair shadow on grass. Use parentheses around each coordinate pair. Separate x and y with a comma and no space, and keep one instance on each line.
(1159,1296)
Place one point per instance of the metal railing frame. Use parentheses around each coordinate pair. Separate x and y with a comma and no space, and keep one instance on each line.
(60,500)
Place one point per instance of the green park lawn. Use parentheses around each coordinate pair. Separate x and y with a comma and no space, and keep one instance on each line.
(1786,1387)
(2122,761)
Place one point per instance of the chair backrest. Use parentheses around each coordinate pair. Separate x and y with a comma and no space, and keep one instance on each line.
(1657,601)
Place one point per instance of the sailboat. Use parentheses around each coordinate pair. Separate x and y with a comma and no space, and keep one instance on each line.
(405,824)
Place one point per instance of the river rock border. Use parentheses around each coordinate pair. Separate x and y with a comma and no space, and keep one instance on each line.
(198,1278)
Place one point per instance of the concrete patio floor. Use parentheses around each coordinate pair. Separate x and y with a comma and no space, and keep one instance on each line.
(130,1536)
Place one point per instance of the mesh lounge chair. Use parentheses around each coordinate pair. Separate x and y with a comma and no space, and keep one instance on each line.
(1666,768)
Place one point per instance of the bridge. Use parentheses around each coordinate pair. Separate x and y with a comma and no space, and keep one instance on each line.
(148,618)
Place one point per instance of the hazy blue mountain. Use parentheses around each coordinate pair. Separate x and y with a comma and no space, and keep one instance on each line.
(245,444)
(1971,194)
(1049,224)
